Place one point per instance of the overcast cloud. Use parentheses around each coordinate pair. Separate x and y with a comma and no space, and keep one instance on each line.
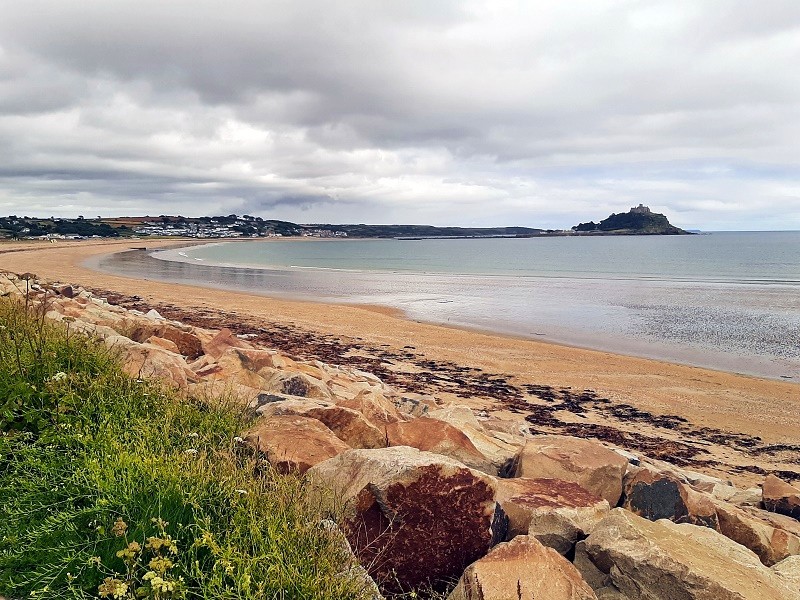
(538,112)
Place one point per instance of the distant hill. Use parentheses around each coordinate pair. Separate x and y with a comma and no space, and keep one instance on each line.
(424,231)
(232,226)
(639,220)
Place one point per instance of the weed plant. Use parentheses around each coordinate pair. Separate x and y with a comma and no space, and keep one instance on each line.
(116,487)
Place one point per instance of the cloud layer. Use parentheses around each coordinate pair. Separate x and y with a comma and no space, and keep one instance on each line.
(467,113)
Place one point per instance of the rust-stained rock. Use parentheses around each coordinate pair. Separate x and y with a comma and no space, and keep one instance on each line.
(585,462)
(347,424)
(437,436)
(557,513)
(654,495)
(351,569)
(781,497)
(775,519)
(294,444)
(646,560)
(753,529)
(413,518)
(522,568)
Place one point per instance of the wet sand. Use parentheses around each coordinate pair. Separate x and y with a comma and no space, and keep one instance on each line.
(717,422)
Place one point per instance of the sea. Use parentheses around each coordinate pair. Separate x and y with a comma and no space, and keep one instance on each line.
(725,300)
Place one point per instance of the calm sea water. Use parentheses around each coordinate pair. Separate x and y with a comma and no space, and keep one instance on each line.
(725,300)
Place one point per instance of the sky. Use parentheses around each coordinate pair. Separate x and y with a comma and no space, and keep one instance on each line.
(474,113)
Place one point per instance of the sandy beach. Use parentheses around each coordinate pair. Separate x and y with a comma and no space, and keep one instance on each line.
(717,422)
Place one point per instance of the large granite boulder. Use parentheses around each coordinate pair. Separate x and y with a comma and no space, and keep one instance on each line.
(187,343)
(770,538)
(585,462)
(294,444)
(781,497)
(413,518)
(375,408)
(230,366)
(751,497)
(294,383)
(522,568)
(347,424)
(657,495)
(352,570)
(498,451)
(662,560)
(252,359)
(789,570)
(148,360)
(437,436)
(221,392)
(215,344)
(163,343)
(557,513)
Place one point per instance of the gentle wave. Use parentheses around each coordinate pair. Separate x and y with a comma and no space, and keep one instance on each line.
(167,256)
(745,324)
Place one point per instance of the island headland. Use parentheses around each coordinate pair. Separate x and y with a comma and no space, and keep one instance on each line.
(639,220)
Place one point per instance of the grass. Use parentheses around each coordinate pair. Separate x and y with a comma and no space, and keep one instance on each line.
(116,487)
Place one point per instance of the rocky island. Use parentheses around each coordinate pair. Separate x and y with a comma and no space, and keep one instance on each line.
(639,220)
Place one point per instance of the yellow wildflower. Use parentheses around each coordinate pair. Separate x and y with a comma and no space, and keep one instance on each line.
(112,588)
(119,528)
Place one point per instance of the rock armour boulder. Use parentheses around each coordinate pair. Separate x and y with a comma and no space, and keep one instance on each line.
(771,536)
(348,425)
(442,438)
(655,496)
(294,444)
(645,560)
(499,452)
(781,497)
(413,518)
(557,513)
(789,570)
(522,568)
(585,462)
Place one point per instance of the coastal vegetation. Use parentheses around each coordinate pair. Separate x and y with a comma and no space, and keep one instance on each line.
(117,487)
(27,227)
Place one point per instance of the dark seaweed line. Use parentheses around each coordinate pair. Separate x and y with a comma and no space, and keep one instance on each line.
(471,382)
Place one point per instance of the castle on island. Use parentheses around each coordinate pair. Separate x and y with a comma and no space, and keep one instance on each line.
(641,209)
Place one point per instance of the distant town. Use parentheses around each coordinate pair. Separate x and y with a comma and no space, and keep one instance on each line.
(230,226)
(638,221)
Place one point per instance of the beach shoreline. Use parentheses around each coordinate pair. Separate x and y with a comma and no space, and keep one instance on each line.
(642,317)
(497,373)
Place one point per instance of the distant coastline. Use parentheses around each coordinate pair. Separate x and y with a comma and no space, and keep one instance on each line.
(638,221)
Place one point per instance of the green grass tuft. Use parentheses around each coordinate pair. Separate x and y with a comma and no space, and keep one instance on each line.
(95,466)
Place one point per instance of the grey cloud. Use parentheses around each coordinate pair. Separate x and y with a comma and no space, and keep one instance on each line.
(472,111)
